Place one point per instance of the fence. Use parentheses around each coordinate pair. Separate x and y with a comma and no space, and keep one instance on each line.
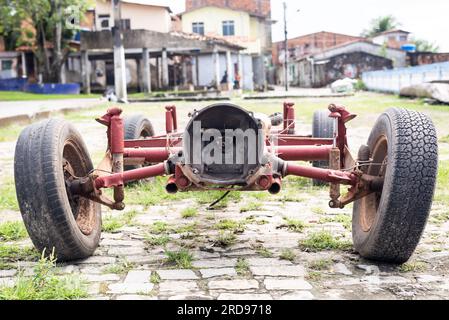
(394,80)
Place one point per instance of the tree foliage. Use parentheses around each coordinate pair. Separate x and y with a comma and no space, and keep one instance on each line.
(381,24)
(46,27)
(425,46)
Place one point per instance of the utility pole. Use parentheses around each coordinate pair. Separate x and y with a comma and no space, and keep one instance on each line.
(286,47)
(119,54)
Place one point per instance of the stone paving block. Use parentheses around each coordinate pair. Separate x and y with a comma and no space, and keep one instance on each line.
(220,272)
(134,297)
(298,295)
(7,282)
(240,296)
(177,274)
(101,277)
(237,284)
(138,276)
(340,268)
(130,288)
(261,262)
(193,297)
(98,260)
(126,251)
(287,284)
(177,287)
(121,243)
(8,273)
(279,271)
(214,263)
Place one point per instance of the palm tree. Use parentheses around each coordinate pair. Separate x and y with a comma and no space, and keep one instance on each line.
(381,24)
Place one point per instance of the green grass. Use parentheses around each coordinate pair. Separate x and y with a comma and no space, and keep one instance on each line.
(10,133)
(155,278)
(416,266)
(189,213)
(320,265)
(345,220)
(442,190)
(294,225)
(324,240)
(45,285)
(8,200)
(252,206)
(14,253)
(12,231)
(25,96)
(264,252)
(113,224)
(154,241)
(226,239)
(445,139)
(180,259)
(187,228)
(288,255)
(242,267)
(122,267)
(230,225)
(160,227)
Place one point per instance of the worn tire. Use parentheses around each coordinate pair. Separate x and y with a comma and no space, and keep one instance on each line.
(322,127)
(137,127)
(47,208)
(388,225)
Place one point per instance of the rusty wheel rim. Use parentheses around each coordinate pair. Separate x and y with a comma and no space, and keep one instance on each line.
(83,210)
(370,203)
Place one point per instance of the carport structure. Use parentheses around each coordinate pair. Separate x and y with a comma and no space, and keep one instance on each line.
(182,49)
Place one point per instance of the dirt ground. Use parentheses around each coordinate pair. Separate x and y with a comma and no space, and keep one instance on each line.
(249,248)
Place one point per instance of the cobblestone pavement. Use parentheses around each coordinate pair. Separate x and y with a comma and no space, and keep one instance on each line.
(248,250)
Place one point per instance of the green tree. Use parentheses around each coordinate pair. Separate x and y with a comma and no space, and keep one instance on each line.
(425,46)
(381,24)
(46,26)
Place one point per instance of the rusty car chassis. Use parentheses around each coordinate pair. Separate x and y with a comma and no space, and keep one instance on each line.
(391,181)
(165,153)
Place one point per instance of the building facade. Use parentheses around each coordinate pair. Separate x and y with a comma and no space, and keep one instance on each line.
(392,39)
(246,23)
(303,46)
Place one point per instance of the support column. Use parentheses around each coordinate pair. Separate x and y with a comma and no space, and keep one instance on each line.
(184,72)
(85,71)
(158,70)
(24,65)
(217,67)
(165,79)
(241,73)
(197,70)
(119,55)
(146,71)
(229,68)
(194,72)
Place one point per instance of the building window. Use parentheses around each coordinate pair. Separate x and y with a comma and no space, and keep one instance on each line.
(6,65)
(403,38)
(125,24)
(228,28)
(198,28)
(104,21)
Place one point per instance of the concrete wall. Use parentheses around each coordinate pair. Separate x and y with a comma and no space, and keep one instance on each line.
(258,7)
(350,65)
(394,80)
(398,57)
(141,16)
(13,72)
(250,32)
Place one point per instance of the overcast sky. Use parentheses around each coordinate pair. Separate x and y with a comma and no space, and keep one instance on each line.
(426,19)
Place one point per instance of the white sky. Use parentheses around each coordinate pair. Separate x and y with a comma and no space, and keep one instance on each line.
(427,19)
